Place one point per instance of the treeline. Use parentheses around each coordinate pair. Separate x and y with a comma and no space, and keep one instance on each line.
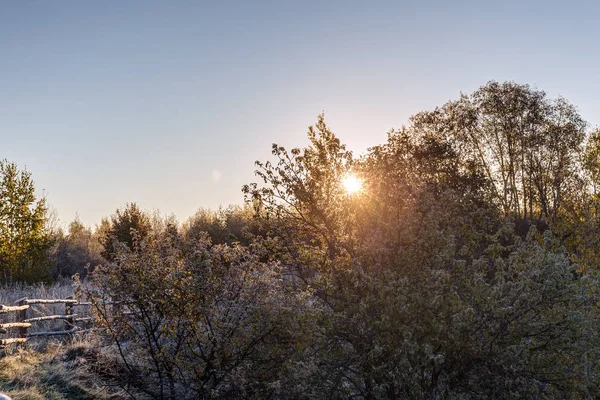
(466,267)
(33,249)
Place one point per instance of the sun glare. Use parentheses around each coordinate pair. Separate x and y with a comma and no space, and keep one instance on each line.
(352,183)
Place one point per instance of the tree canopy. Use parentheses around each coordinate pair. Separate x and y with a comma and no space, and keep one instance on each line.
(466,266)
(24,239)
(125,226)
(526,144)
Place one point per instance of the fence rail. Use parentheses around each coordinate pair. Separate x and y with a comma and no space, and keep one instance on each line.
(23,324)
(25,300)
(7,309)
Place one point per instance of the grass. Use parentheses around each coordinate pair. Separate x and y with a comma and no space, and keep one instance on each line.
(10,293)
(57,370)
(60,290)
(77,367)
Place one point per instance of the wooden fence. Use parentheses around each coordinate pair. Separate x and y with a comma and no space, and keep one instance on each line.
(23,324)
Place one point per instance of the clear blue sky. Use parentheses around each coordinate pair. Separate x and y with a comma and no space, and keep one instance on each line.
(169,103)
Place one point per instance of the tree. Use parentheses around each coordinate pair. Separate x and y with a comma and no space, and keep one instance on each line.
(24,240)
(304,194)
(579,226)
(205,222)
(424,284)
(230,225)
(527,145)
(126,226)
(591,160)
(426,290)
(76,251)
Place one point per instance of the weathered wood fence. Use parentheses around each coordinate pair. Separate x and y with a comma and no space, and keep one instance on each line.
(23,324)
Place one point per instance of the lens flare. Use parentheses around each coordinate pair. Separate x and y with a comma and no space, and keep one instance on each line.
(352,183)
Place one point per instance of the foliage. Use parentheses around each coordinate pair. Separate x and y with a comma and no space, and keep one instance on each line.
(59,371)
(125,224)
(24,240)
(429,292)
(527,145)
(466,267)
(230,225)
(208,320)
(75,252)
(304,195)
(591,159)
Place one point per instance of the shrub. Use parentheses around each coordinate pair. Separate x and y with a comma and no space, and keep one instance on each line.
(209,321)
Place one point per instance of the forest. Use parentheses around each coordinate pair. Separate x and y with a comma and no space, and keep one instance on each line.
(457,260)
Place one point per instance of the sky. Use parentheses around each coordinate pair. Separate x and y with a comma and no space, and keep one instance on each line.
(169,103)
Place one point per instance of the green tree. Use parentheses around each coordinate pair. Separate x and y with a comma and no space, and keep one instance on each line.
(126,226)
(24,240)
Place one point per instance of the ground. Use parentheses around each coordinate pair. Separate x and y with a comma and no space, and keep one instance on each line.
(58,370)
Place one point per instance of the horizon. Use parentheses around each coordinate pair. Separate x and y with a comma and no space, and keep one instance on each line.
(169,105)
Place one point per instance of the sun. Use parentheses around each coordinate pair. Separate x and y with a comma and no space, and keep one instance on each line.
(352,183)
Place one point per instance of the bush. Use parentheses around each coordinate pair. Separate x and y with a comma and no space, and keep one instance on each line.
(209,321)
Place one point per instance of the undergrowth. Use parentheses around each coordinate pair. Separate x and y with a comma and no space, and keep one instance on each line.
(72,369)
(78,367)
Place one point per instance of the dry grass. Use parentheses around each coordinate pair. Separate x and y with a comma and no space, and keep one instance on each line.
(9,294)
(57,370)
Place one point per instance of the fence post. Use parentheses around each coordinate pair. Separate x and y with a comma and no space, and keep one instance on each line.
(69,322)
(21,317)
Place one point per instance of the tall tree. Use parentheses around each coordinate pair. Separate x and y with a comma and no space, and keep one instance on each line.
(303,190)
(527,145)
(24,241)
(426,291)
(591,160)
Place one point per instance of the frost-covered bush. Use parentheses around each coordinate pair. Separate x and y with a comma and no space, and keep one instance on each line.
(210,321)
